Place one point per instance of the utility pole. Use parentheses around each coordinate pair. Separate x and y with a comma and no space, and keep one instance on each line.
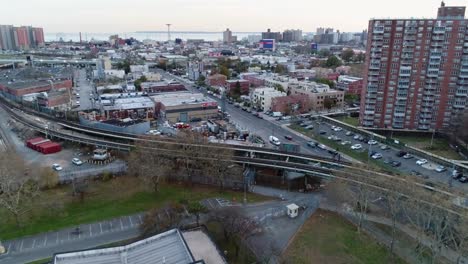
(168,32)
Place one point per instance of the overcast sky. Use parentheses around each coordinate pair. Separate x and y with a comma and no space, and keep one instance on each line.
(208,15)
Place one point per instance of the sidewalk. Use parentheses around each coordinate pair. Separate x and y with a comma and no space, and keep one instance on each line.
(44,245)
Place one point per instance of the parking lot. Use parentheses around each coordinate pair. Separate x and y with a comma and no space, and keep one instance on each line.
(387,155)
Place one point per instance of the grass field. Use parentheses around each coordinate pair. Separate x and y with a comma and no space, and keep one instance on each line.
(57,209)
(439,147)
(354,121)
(328,238)
(358,155)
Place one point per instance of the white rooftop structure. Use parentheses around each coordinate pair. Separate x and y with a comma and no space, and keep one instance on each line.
(168,247)
(127,103)
(293,210)
(180,98)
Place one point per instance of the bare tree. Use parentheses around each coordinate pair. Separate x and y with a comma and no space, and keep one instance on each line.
(236,227)
(18,185)
(192,152)
(48,178)
(151,163)
(158,220)
(197,209)
(218,165)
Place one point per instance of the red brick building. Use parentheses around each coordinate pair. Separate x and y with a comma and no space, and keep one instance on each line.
(253,79)
(216,80)
(18,89)
(349,84)
(416,73)
(244,86)
(162,87)
(291,104)
(54,99)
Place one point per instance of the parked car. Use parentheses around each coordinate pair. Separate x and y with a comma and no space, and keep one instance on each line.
(376,156)
(440,168)
(457,175)
(408,156)
(337,129)
(56,167)
(77,161)
(384,147)
(421,161)
(401,153)
(323,132)
(356,137)
(321,146)
(395,163)
(463,179)
(309,127)
(333,152)
(344,143)
(362,139)
(356,146)
(288,137)
(312,144)
(372,142)
(349,133)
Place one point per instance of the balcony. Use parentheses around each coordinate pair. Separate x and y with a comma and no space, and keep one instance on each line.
(428,99)
(425,116)
(458,106)
(426,110)
(438,30)
(377,37)
(378,30)
(399,115)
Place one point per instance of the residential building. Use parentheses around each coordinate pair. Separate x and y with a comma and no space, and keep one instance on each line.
(254,38)
(293,104)
(268,44)
(195,69)
(184,106)
(20,38)
(318,95)
(272,35)
(253,79)
(244,86)
(292,35)
(416,73)
(262,97)
(350,84)
(216,80)
(227,36)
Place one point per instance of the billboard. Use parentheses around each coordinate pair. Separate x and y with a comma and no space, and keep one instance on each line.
(267,44)
(314,47)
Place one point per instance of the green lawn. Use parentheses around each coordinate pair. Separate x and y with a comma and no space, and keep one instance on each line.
(41,261)
(354,121)
(328,238)
(440,146)
(358,155)
(118,197)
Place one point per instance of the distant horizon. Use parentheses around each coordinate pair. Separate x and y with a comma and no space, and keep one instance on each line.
(204,16)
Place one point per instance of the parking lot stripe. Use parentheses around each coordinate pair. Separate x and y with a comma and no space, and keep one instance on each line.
(9,246)
(121,224)
(56,242)
(45,240)
(141,221)
(110,223)
(100,225)
(90,232)
(21,247)
(131,222)
(34,243)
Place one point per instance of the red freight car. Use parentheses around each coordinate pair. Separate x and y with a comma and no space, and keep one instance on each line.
(30,142)
(35,144)
(49,148)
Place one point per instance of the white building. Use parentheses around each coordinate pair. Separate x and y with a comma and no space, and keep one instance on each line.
(262,97)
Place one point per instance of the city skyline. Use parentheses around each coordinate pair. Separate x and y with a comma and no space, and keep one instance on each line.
(239,15)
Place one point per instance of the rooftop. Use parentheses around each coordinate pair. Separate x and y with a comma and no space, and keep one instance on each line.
(168,247)
(127,103)
(180,98)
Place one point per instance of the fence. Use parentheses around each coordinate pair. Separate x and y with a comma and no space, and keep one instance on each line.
(67,176)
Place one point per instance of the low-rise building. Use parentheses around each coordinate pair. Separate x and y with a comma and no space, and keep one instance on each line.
(216,80)
(170,247)
(320,95)
(134,107)
(162,87)
(253,78)
(349,84)
(54,99)
(244,86)
(184,106)
(293,104)
(262,97)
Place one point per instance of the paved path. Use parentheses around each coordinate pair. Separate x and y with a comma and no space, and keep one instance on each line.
(90,235)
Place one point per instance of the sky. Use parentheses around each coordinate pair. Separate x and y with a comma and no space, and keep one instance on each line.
(107,16)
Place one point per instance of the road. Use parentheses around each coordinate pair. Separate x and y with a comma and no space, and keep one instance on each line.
(84,88)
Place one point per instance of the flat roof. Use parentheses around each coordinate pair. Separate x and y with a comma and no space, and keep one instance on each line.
(128,103)
(168,247)
(181,98)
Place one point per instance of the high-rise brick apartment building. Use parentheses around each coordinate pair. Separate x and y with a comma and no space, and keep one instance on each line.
(416,71)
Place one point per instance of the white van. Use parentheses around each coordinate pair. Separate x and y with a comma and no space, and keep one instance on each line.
(274,140)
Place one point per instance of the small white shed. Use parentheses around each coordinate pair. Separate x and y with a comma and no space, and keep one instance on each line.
(293,210)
